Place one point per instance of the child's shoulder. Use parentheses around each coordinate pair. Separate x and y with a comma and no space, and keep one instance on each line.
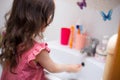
(36,49)
(40,45)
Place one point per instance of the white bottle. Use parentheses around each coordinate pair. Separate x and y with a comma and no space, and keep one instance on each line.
(104,43)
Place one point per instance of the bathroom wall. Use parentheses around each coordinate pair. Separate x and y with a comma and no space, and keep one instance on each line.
(67,13)
(5,5)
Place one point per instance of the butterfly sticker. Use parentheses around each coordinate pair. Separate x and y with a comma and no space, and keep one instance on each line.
(106,16)
(82,4)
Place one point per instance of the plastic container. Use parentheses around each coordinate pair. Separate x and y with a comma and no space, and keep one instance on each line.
(80,41)
(65,34)
(101,49)
(102,46)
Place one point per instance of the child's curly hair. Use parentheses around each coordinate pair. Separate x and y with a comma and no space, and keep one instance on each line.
(26,20)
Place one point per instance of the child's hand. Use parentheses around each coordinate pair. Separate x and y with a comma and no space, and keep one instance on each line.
(74,67)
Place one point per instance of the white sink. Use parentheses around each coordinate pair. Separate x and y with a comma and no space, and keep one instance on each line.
(93,69)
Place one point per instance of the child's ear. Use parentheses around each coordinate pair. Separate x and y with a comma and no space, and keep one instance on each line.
(43,29)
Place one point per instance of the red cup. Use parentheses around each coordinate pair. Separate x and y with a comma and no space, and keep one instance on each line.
(65,34)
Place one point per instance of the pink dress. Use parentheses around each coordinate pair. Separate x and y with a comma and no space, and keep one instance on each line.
(27,69)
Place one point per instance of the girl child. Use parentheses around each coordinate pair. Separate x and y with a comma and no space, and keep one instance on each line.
(23,57)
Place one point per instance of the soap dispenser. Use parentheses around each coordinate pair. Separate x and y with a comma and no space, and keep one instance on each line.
(101,49)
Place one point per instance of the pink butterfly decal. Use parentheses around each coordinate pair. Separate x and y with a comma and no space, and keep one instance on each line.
(82,4)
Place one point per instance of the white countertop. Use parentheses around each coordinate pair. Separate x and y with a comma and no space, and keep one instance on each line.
(72,51)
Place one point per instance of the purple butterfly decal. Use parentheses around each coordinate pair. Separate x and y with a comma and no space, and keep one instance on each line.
(82,4)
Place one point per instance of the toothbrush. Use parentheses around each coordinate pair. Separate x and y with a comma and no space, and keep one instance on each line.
(78,28)
(81,28)
(71,37)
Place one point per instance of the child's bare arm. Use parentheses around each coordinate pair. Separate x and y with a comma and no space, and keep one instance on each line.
(44,59)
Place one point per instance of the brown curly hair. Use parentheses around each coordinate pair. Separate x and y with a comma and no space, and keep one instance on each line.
(26,19)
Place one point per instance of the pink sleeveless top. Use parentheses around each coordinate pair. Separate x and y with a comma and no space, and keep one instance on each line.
(27,69)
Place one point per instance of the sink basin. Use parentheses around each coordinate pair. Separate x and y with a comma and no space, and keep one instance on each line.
(93,69)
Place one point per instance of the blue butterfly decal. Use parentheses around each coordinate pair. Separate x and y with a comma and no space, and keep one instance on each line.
(108,16)
(82,4)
